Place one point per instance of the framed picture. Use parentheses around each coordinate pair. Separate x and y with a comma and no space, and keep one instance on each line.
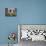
(10,11)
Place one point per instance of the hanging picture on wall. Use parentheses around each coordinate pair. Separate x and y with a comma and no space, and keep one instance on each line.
(10,11)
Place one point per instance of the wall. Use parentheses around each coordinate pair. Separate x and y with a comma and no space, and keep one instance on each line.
(28,12)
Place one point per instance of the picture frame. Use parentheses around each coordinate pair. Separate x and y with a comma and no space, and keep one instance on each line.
(10,12)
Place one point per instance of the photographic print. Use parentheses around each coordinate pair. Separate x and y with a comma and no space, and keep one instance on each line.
(10,11)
